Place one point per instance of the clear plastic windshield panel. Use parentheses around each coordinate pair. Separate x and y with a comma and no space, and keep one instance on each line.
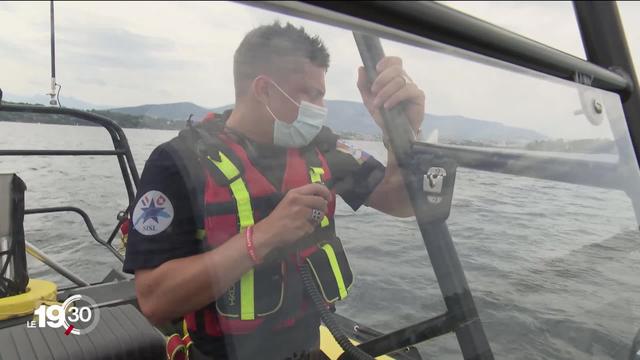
(544,216)
(543,213)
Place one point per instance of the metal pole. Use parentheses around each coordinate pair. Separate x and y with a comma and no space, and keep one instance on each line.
(52,94)
(53,44)
(444,258)
(36,253)
(423,23)
(605,45)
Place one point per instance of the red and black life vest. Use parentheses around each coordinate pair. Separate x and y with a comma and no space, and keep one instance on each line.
(235,195)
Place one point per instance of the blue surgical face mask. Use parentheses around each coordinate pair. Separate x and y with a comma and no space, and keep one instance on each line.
(307,125)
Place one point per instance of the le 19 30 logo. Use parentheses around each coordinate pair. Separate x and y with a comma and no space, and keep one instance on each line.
(77,315)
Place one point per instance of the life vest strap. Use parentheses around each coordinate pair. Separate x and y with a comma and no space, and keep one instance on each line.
(201,234)
(238,189)
(176,349)
(245,217)
(337,273)
(247,304)
(315,174)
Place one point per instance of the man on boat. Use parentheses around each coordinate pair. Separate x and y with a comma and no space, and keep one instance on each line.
(229,211)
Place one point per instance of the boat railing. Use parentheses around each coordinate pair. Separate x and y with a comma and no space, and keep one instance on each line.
(121,150)
(87,222)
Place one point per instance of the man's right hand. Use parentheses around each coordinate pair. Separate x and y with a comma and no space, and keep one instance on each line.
(291,219)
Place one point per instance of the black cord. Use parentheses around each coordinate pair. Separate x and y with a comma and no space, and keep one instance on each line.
(328,317)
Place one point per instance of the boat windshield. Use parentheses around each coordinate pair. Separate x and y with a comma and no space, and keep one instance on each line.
(546,204)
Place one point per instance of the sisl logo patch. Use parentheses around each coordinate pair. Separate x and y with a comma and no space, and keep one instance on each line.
(153,213)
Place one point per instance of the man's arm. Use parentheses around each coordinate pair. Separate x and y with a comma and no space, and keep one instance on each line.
(182,285)
(390,88)
(186,284)
(390,196)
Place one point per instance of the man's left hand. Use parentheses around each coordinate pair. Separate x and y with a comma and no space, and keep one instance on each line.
(391,87)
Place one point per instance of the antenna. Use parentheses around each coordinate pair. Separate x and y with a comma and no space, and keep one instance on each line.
(55,99)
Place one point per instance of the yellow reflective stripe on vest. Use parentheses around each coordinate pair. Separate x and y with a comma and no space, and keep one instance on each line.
(333,261)
(225,165)
(245,216)
(185,330)
(238,188)
(247,306)
(315,173)
(201,234)
(243,200)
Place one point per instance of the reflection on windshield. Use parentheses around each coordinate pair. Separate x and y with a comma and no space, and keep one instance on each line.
(284,182)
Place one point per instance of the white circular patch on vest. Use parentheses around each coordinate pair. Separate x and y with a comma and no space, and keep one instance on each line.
(153,213)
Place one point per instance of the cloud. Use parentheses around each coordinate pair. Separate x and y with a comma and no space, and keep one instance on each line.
(92,81)
(116,47)
(539,21)
(113,38)
(131,53)
(17,51)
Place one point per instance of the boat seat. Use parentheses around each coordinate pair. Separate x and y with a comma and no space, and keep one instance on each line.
(122,333)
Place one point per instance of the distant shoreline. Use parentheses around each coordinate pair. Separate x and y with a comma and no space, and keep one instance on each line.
(123,120)
(128,121)
(82,125)
(79,122)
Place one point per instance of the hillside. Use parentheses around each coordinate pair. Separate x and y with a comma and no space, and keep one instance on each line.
(352,117)
(122,119)
(347,118)
(174,111)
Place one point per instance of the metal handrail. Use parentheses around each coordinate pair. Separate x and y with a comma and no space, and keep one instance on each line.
(42,257)
(431,207)
(420,23)
(61,152)
(121,145)
(87,221)
(604,174)
(122,151)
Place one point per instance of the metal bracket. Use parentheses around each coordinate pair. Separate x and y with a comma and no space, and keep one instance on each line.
(438,176)
(591,102)
(583,79)
(432,180)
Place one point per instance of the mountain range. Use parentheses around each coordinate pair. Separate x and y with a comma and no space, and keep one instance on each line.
(67,101)
(345,117)
(353,118)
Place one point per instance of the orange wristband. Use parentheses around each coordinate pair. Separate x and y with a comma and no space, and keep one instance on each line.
(251,249)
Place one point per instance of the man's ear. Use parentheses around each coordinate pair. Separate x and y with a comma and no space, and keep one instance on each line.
(260,89)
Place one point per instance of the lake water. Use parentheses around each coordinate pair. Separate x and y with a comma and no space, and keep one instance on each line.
(554,268)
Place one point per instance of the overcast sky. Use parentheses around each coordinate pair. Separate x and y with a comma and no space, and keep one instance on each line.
(125,54)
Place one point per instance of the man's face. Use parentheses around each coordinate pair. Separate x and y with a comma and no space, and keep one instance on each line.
(305,84)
